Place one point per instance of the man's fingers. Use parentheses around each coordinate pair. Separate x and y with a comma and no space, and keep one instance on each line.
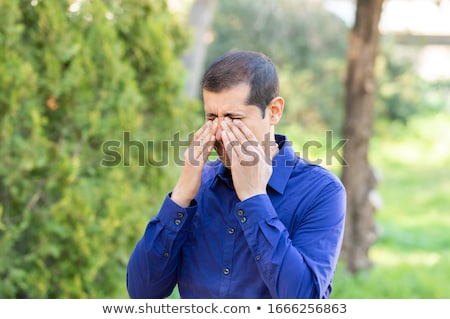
(200,131)
(231,142)
(245,130)
(203,141)
(232,146)
(207,143)
(235,132)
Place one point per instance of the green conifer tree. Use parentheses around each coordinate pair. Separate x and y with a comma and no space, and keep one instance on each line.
(73,76)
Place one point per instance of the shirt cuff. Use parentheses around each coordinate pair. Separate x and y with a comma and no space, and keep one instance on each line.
(174,216)
(254,210)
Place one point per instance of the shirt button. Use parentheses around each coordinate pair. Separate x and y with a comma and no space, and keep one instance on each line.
(180,215)
(258,257)
(226,271)
(231,231)
(177,222)
(240,212)
(243,219)
(166,254)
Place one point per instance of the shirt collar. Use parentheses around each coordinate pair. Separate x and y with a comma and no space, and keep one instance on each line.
(282,164)
(225,175)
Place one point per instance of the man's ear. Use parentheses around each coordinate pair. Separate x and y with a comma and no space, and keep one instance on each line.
(276,107)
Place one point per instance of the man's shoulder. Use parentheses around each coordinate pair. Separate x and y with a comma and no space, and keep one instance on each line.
(315,173)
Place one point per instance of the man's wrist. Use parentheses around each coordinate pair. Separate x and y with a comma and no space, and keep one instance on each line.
(249,195)
(181,200)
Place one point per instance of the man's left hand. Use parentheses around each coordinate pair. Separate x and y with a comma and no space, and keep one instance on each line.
(251,162)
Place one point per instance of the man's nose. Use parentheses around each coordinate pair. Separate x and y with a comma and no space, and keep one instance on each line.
(219,130)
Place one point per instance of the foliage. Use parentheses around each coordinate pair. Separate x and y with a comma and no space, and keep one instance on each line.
(293,33)
(74,75)
(401,92)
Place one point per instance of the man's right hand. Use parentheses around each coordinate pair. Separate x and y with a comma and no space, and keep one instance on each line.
(194,159)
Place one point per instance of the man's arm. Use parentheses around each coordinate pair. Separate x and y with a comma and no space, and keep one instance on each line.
(297,265)
(152,268)
(301,264)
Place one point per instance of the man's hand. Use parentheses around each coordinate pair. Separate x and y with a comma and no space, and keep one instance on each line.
(195,158)
(251,162)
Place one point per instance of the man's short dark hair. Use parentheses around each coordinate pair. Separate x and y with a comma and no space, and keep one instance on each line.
(250,67)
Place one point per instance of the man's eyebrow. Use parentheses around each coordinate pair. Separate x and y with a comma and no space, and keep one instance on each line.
(232,114)
(228,114)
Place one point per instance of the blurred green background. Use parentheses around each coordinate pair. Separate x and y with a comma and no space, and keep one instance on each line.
(78,75)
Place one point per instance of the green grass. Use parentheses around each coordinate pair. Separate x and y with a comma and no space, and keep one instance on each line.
(412,254)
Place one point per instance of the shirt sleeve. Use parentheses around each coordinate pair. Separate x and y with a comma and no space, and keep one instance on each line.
(152,267)
(300,264)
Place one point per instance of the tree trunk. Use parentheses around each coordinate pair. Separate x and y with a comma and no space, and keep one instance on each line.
(200,21)
(358,176)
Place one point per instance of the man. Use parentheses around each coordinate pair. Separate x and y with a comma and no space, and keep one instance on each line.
(258,223)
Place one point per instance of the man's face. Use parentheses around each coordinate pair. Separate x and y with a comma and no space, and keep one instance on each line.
(231,103)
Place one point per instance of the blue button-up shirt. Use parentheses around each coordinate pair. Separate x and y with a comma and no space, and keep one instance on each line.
(281,245)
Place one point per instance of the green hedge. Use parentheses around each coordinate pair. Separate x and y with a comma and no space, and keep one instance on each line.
(73,77)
